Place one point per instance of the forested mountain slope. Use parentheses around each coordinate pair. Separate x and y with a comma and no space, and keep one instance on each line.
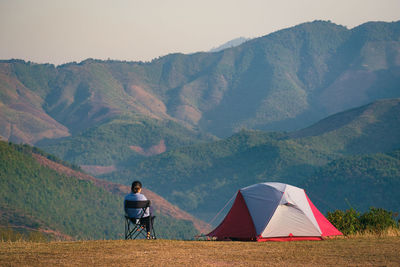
(200,178)
(38,194)
(372,128)
(122,141)
(357,182)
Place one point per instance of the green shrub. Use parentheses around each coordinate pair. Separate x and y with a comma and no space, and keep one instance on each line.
(347,222)
(351,222)
(377,220)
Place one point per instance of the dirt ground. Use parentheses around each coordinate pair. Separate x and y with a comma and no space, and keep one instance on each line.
(370,251)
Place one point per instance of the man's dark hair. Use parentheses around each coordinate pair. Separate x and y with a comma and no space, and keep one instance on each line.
(136,185)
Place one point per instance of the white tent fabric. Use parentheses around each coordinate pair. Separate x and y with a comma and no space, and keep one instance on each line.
(280,210)
(288,220)
(261,200)
(298,196)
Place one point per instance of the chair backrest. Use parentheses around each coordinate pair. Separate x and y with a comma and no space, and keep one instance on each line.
(138,204)
(136,208)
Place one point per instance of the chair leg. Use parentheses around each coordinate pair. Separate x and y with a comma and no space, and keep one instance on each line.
(126,229)
(135,229)
(152,231)
(152,227)
(130,230)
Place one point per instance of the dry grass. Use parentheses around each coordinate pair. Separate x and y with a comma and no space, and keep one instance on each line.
(360,251)
(389,232)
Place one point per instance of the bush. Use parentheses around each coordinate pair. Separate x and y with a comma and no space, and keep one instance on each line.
(377,220)
(351,222)
(347,222)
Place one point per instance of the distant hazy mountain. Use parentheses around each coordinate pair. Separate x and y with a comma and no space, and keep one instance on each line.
(230,44)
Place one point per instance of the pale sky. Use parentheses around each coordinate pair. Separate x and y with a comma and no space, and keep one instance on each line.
(61,31)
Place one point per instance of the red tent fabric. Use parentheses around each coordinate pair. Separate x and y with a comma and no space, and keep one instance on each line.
(237,223)
(326,227)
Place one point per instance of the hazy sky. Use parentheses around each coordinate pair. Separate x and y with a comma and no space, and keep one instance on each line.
(60,31)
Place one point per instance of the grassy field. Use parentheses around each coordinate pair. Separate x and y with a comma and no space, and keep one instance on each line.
(372,251)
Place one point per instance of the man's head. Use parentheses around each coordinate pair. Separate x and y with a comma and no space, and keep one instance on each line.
(136,187)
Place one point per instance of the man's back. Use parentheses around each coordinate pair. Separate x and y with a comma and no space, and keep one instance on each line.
(135,213)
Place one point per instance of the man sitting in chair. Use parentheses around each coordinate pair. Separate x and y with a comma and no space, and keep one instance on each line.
(136,195)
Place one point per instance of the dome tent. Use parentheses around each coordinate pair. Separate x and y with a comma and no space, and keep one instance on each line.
(273,212)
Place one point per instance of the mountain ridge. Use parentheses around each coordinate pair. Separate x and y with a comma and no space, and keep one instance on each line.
(367,123)
(282,81)
(232,43)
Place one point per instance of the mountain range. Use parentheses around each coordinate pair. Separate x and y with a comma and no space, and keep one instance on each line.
(315,105)
(286,80)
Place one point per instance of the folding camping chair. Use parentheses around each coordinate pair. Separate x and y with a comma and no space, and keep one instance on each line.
(136,227)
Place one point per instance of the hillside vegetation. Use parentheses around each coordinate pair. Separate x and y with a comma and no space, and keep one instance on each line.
(122,141)
(35,198)
(326,161)
(358,182)
(368,129)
